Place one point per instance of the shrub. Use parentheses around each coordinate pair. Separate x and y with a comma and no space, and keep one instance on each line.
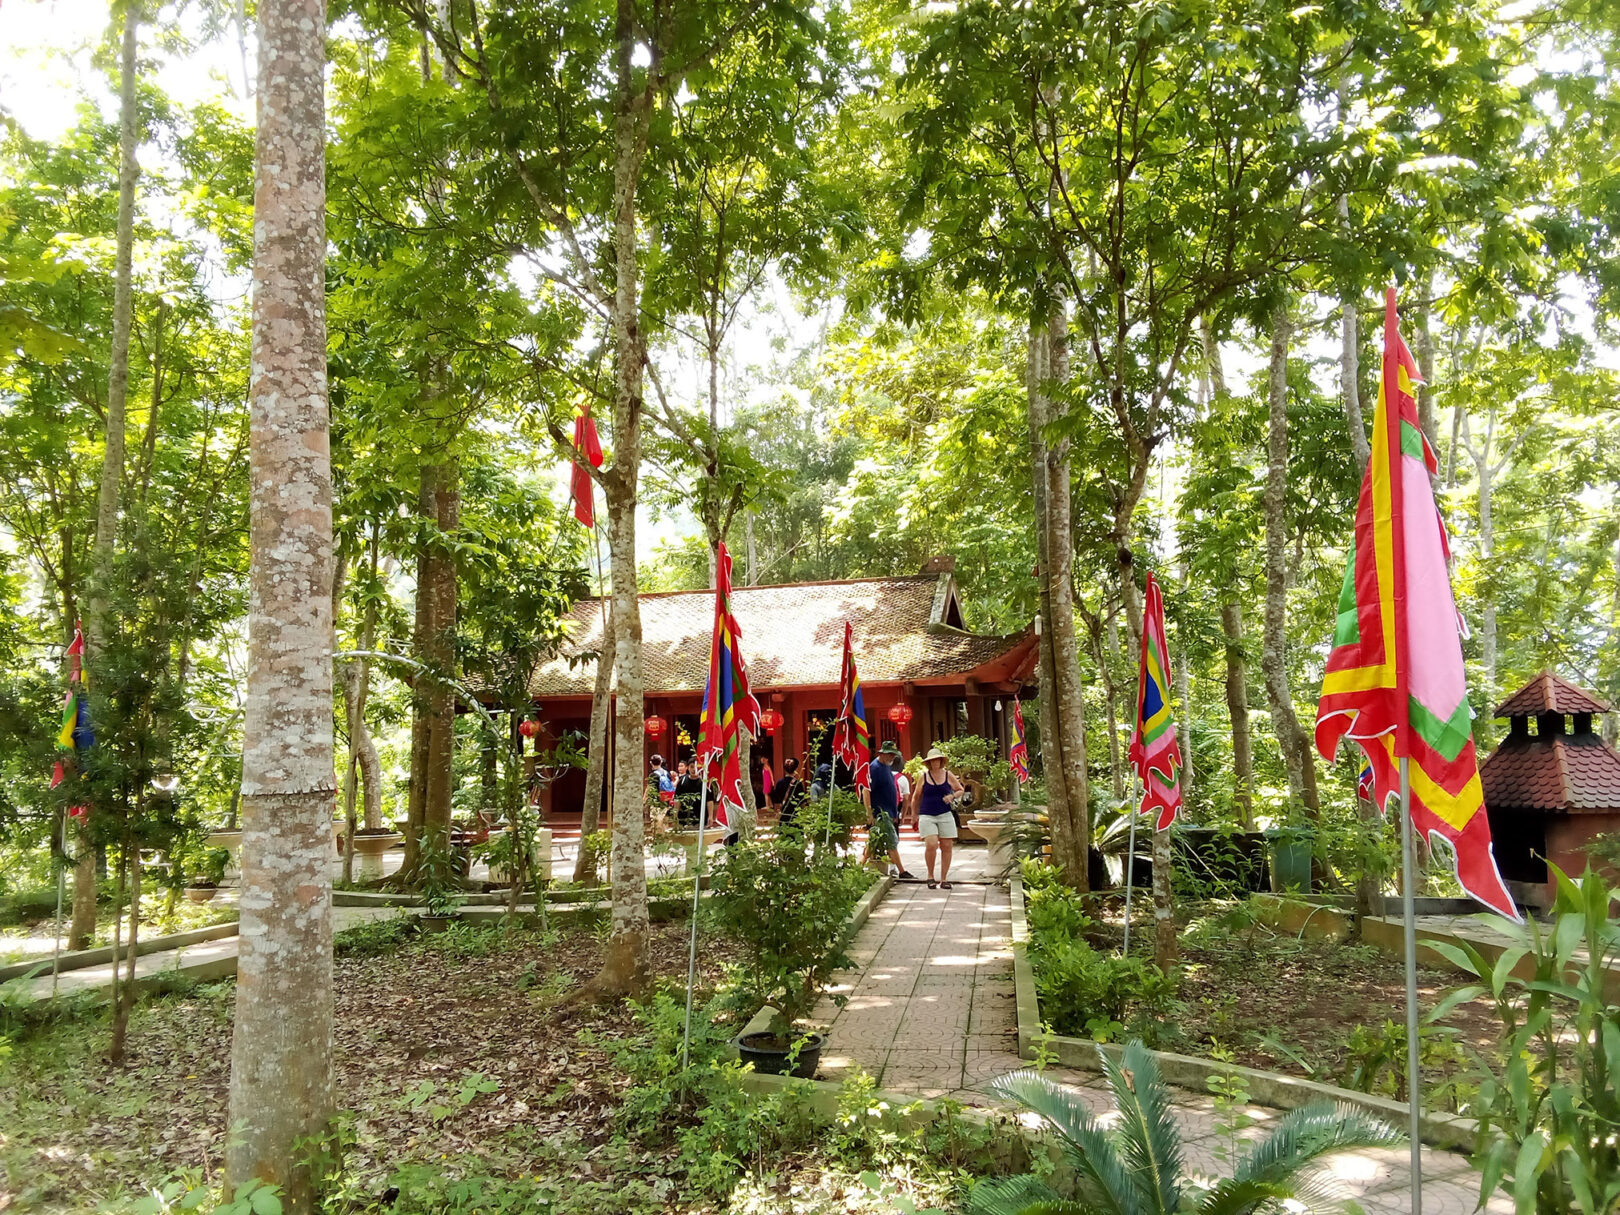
(1548,1112)
(784,907)
(373,938)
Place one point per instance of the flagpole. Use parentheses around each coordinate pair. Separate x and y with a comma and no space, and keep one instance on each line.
(1130,865)
(832,784)
(691,953)
(1414,1093)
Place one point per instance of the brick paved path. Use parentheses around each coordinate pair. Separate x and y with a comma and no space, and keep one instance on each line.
(930,1013)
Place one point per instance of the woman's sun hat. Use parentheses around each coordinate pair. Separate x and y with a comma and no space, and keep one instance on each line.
(935,753)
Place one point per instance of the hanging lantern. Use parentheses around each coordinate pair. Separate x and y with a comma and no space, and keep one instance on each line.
(900,713)
(529,728)
(771,720)
(655,726)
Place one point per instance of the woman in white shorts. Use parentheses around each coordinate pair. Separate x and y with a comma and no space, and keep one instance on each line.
(936,790)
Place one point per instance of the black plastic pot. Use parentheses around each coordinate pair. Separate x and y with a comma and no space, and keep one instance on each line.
(1233,859)
(772,1060)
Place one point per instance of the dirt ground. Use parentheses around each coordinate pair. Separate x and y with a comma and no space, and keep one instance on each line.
(450,1047)
(1278,1002)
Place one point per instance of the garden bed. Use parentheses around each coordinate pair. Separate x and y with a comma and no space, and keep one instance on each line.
(1250,996)
(461,1061)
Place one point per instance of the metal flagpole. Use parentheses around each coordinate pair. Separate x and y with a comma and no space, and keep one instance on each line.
(1414,1093)
(832,784)
(691,955)
(61,883)
(1130,863)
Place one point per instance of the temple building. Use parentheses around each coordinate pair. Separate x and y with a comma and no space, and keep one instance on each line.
(1551,790)
(924,677)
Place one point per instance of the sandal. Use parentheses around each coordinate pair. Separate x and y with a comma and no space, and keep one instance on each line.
(944,885)
(932,884)
(906,876)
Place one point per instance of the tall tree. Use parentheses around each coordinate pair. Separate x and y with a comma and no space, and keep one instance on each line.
(112,460)
(1299,757)
(281,1048)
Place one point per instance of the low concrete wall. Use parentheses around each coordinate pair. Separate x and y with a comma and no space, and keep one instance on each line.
(1319,922)
(104,954)
(1186,1071)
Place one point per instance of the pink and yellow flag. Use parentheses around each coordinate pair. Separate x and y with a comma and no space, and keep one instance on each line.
(1155,753)
(1394,681)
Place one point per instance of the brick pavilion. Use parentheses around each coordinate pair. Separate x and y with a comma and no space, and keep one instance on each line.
(910,647)
(1549,792)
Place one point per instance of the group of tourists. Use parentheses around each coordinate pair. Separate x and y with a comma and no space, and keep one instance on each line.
(893,799)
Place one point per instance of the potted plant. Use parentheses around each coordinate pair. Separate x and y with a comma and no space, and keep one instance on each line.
(207,874)
(438,881)
(785,906)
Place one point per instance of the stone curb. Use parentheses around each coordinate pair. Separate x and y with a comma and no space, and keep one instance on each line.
(1185,1071)
(101,955)
(1318,921)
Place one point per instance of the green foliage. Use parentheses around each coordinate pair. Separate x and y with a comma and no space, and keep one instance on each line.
(1084,991)
(785,908)
(1136,1164)
(1549,1106)
(1375,1062)
(374,938)
(438,879)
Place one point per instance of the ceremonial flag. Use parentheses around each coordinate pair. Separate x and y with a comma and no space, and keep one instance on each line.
(587,448)
(852,740)
(1394,680)
(1154,753)
(1364,783)
(727,701)
(1018,752)
(76,734)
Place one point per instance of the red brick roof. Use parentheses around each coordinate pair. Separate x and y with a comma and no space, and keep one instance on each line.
(793,636)
(1547,693)
(1568,772)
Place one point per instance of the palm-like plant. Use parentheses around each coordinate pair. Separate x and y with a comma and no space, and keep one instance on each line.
(1135,1167)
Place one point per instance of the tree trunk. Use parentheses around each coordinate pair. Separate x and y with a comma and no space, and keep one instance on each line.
(1237,708)
(1063,740)
(124,1000)
(1350,377)
(441,656)
(624,966)
(83,926)
(422,634)
(1423,343)
(601,698)
(281,1048)
(1291,739)
(753,549)
(356,694)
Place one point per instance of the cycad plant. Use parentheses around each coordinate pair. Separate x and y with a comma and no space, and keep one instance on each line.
(1135,1167)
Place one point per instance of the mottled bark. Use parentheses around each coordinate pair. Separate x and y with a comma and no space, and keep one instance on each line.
(1237,709)
(1165,948)
(1063,740)
(1291,740)
(281,1049)
(624,965)
(123,994)
(1423,349)
(83,926)
(601,699)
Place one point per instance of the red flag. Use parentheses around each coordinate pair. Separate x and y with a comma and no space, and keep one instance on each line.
(584,496)
(585,438)
(727,701)
(852,740)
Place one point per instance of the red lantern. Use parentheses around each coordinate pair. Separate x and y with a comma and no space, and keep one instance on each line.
(529,728)
(771,720)
(654,726)
(900,713)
